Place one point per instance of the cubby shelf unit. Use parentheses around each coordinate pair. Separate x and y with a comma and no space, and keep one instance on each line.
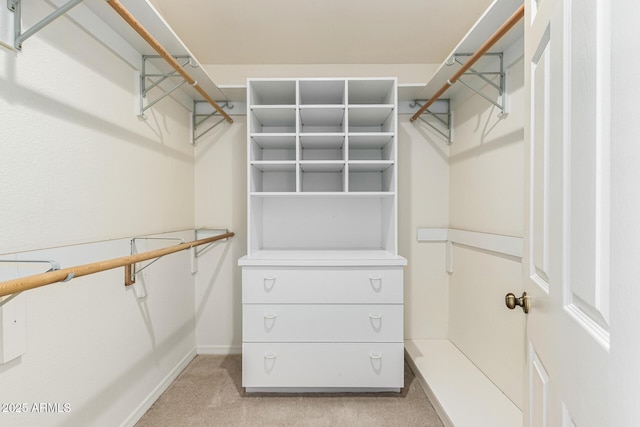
(322,237)
(322,155)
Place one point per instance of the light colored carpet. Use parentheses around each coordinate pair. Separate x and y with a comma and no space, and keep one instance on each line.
(209,393)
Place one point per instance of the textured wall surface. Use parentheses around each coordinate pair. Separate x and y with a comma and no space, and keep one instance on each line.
(77,164)
(423,201)
(486,178)
(96,347)
(221,201)
(81,173)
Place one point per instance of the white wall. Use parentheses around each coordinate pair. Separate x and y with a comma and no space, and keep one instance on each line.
(221,201)
(77,167)
(486,162)
(423,201)
(92,344)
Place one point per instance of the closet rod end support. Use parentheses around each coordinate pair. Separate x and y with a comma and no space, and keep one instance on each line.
(129,277)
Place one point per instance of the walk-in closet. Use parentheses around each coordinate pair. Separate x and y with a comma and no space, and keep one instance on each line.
(339,213)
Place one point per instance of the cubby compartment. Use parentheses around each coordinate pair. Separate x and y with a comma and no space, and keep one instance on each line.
(321,119)
(329,146)
(371,146)
(371,118)
(322,176)
(322,92)
(273,120)
(272,92)
(273,147)
(371,92)
(273,177)
(371,176)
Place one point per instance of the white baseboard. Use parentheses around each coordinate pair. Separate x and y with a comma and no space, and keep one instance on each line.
(460,393)
(160,388)
(219,349)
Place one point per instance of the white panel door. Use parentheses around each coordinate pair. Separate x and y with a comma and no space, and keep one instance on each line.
(566,260)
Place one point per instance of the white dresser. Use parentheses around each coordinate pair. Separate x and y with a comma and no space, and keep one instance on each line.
(322,288)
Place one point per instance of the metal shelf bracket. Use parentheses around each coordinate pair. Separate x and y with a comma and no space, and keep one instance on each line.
(210,230)
(441,122)
(492,79)
(131,271)
(151,80)
(19,36)
(203,116)
(195,253)
(55,265)
(488,77)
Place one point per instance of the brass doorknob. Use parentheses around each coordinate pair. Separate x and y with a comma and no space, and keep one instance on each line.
(512,301)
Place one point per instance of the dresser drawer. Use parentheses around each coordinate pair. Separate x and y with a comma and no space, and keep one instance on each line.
(322,323)
(379,365)
(322,285)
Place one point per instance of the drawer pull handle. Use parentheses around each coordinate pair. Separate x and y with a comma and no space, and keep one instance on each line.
(270,355)
(376,356)
(375,316)
(270,316)
(376,282)
(269,281)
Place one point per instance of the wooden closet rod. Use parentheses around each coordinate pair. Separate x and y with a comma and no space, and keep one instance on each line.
(509,23)
(133,22)
(30,282)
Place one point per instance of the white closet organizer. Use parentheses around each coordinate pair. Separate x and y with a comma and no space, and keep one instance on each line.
(322,281)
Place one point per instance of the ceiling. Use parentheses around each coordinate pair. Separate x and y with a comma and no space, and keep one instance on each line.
(321,31)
